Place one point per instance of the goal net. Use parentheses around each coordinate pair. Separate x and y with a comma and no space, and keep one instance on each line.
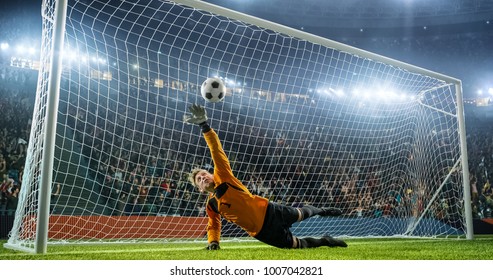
(306,120)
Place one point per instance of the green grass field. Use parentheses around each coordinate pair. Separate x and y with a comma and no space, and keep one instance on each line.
(359,249)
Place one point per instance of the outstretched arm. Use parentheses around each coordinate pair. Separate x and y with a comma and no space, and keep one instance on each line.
(221,163)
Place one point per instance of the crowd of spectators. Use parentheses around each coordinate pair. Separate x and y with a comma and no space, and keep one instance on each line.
(141,167)
(480,154)
(17,91)
(136,178)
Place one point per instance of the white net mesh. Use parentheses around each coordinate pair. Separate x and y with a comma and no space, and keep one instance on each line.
(303,123)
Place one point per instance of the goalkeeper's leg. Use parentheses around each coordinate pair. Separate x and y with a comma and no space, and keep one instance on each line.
(310,242)
(309,211)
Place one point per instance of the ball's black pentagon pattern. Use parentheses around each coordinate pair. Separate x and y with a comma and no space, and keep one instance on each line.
(215,84)
(220,96)
(208,95)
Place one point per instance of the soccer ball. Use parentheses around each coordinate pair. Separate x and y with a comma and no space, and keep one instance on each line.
(213,90)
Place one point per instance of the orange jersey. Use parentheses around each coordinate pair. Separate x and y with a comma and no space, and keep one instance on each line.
(231,199)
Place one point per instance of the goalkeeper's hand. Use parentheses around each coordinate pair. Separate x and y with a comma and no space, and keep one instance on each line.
(198,115)
(213,246)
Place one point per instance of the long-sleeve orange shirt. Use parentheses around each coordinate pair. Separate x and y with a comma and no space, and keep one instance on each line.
(231,199)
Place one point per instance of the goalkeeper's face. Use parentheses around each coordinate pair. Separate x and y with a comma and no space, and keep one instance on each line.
(204,181)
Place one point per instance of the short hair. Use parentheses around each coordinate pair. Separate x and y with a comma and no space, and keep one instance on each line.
(192,174)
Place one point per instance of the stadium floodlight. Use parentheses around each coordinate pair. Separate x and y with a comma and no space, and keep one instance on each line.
(20,49)
(114,138)
(4,46)
(69,54)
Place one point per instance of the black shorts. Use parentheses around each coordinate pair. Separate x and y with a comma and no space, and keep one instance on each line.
(277,223)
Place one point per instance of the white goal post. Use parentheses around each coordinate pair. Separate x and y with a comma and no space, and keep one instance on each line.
(306,120)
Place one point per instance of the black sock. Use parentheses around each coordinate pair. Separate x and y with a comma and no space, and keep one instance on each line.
(310,242)
(309,211)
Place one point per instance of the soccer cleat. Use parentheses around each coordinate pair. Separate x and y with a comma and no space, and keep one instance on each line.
(332,242)
(329,211)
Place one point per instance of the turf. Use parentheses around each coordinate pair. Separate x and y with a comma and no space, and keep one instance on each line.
(359,249)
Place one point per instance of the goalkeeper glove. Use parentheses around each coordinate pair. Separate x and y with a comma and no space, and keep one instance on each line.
(198,115)
(213,246)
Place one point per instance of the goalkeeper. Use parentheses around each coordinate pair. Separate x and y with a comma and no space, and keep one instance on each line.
(228,197)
